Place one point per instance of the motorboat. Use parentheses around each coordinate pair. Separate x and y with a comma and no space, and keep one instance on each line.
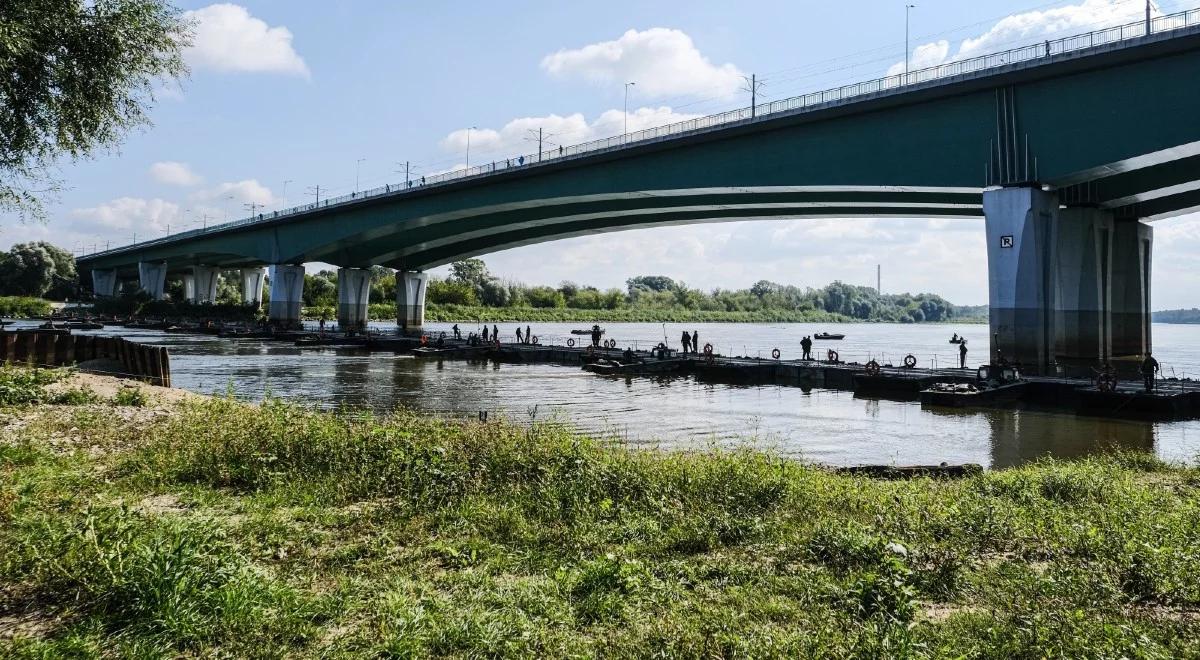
(833,336)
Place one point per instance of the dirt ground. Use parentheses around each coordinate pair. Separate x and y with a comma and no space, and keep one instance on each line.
(107,386)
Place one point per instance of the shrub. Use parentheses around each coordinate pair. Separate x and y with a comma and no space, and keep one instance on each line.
(23,306)
(130,396)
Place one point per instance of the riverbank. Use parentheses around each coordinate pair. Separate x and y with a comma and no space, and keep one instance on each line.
(481,314)
(205,526)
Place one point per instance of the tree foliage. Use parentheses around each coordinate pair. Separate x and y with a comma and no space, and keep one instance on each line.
(75,77)
(471,284)
(38,270)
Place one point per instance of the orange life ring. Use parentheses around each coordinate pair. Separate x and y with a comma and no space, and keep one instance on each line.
(535,339)
(424,340)
(832,356)
(1106,381)
(910,361)
(570,343)
(872,368)
(708,349)
(775,353)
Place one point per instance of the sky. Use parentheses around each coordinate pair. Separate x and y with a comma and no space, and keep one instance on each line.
(284,96)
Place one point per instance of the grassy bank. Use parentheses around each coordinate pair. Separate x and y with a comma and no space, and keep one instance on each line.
(23,307)
(214,528)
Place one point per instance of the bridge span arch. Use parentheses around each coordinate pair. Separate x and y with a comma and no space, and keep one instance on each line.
(1066,154)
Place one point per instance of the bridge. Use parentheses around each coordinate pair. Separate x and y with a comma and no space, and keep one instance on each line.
(1066,149)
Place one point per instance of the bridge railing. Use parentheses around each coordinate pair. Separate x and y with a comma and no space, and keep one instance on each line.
(949,70)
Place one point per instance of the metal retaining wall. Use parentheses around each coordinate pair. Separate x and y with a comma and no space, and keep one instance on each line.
(54,348)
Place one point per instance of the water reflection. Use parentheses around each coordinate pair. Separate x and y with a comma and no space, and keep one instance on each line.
(815,424)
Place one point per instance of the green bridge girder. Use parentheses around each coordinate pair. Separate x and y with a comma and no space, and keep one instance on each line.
(1115,127)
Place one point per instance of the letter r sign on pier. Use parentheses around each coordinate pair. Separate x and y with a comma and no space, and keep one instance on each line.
(1006,241)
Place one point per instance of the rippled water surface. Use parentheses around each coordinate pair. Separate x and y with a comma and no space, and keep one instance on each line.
(820,425)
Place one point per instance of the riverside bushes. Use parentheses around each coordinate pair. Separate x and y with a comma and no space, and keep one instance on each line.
(226,529)
(23,307)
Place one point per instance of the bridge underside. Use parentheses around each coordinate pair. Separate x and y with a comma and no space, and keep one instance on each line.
(1100,143)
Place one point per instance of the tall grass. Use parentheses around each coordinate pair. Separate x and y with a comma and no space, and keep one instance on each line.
(304,533)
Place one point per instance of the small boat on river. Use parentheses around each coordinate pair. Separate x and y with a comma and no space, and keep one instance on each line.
(831,336)
(584,332)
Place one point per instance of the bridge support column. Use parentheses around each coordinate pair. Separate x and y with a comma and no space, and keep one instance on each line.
(410,300)
(1021,245)
(1132,248)
(152,278)
(287,294)
(354,292)
(253,280)
(104,283)
(1083,276)
(205,280)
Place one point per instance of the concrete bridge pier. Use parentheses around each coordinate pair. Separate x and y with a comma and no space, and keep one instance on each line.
(205,279)
(1021,245)
(104,282)
(410,300)
(354,292)
(152,278)
(1133,244)
(1083,276)
(287,294)
(253,280)
(1069,288)
(189,287)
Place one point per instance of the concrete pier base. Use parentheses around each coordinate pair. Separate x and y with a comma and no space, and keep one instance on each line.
(152,278)
(354,291)
(205,284)
(410,300)
(287,291)
(189,287)
(1021,246)
(1069,287)
(104,283)
(1083,273)
(1132,249)
(253,280)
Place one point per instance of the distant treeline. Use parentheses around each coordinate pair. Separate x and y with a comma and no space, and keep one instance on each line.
(1177,316)
(471,292)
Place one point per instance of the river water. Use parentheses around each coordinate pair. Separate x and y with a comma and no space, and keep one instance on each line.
(824,426)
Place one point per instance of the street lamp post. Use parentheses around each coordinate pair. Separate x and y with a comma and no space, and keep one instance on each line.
(357,170)
(906,11)
(625,132)
(285,182)
(469,129)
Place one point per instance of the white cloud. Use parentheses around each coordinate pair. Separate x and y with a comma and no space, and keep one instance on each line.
(129,214)
(174,173)
(1019,29)
(660,60)
(228,38)
(515,137)
(237,192)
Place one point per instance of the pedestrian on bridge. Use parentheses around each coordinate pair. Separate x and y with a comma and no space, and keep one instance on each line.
(495,333)
(687,342)
(695,341)
(528,335)
(457,332)
(485,334)
(520,337)
(962,355)
(806,348)
(1149,367)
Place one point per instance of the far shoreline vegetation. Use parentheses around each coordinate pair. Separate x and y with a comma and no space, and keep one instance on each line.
(36,271)
(34,274)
